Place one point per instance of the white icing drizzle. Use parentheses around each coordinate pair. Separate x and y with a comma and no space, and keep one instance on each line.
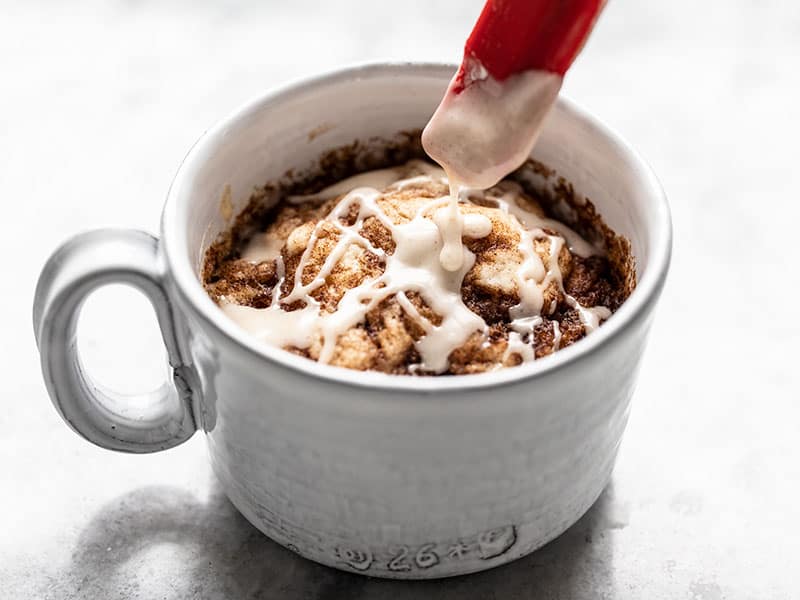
(516,345)
(590,316)
(263,247)
(453,225)
(377,179)
(429,259)
(530,220)
(275,325)
(556,336)
(450,222)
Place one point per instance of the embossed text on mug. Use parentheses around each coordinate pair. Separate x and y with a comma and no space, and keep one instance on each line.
(407,559)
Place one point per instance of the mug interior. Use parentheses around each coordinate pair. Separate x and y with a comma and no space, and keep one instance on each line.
(292,128)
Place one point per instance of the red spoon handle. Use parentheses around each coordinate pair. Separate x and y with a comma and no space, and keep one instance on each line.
(517,35)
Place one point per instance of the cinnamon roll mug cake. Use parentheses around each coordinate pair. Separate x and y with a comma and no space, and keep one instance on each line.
(310,323)
(391,270)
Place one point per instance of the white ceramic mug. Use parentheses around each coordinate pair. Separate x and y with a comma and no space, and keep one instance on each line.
(405,477)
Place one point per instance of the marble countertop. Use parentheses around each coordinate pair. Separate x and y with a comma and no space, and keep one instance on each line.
(100,101)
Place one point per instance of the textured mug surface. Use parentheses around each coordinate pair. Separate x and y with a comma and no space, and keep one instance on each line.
(391,476)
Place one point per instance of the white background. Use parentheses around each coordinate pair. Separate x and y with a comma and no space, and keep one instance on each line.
(99,101)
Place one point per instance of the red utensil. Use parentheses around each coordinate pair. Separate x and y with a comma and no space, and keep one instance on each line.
(512,36)
(509,78)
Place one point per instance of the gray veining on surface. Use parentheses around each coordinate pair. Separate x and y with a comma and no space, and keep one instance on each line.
(99,104)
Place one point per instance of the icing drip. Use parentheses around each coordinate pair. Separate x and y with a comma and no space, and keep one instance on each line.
(453,225)
(556,336)
(517,346)
(429,260)
(450,222)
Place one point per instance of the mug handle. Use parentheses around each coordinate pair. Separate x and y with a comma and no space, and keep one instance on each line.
(139,423)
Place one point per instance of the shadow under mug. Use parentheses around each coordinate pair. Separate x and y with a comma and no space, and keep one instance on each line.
(391,476)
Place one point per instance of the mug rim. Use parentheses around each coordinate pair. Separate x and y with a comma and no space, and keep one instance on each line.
(173,244)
